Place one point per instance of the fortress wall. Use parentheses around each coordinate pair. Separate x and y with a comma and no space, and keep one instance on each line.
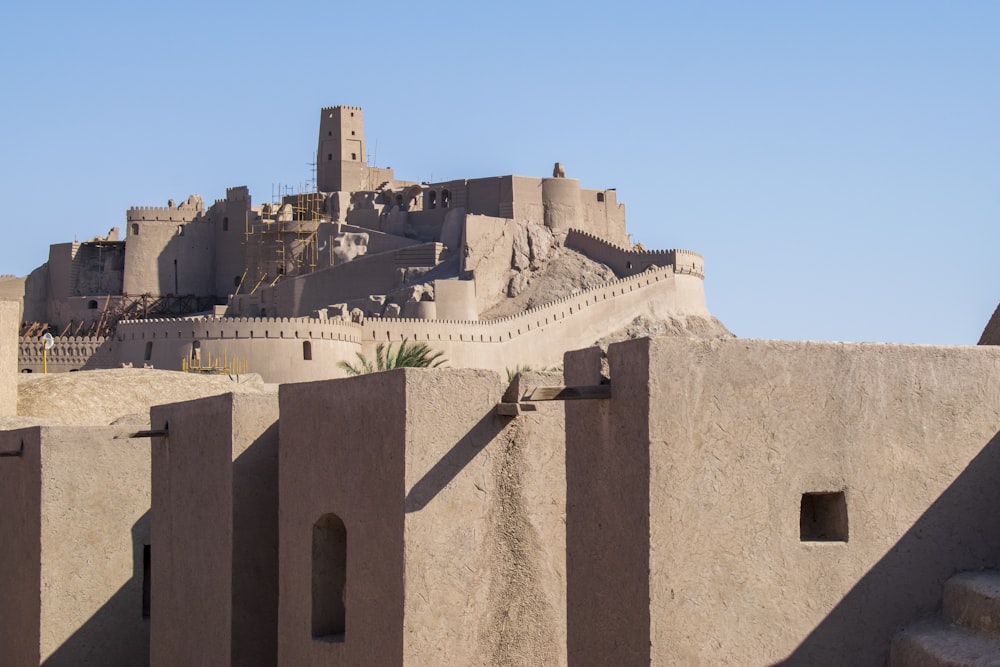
(61,279)
(215,532)
(170,258)
(71,546)
(99,268)
(70,353)
(713,444)
(452,517)
(562,203)
(162,214)
(630,262)
(484,196)
(603,216)
(539,337)
(425,226)
(229,220)
(273,347)
(527,196)
(455,299)
(370,274)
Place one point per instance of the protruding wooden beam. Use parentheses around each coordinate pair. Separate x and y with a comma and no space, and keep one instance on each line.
(597,391)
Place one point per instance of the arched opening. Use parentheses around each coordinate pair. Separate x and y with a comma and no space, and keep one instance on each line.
(431,199)
(329,578)
(149,351)
(196,350)
(445,198)
(92,305)
(307,350)
(26,370)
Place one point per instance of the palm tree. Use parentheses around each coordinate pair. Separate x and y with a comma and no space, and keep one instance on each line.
(417,355)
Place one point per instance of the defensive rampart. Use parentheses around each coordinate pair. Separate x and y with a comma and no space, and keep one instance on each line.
(70,353)
(303,349)
(627,262)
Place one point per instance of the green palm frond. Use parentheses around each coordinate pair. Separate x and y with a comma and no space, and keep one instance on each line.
(417,355)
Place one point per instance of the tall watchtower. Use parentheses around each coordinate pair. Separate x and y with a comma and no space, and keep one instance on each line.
(341,160)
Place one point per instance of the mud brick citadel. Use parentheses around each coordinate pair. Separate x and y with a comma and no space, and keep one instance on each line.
(655,492)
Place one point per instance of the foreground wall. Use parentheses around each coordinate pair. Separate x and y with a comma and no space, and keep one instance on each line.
(418,526)
(214,532)
(745,502)
(73,535)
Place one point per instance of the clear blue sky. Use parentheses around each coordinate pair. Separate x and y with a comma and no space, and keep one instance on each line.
(838,164)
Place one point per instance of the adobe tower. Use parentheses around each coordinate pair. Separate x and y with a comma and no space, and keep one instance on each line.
(341,158)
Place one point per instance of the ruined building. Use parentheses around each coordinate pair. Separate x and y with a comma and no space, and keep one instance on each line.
(496,273)
(693,499)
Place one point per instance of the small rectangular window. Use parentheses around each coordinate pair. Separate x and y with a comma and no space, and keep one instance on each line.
(823,517)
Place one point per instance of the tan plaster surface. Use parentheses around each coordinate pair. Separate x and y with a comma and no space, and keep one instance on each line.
(738,430)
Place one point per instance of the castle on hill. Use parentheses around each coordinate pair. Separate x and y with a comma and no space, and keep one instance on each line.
(497,272)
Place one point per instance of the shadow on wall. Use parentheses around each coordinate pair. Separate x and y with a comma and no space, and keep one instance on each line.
(960,531)
(105,639)
(452,463)
(255,549)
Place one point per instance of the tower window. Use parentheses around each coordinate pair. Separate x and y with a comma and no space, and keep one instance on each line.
(135,229)
(225,224)
(149,351)
(329,134)
(307,350)
(92,305)
(329,156)
(352,133)
(431,199)
(445,198)
(354,156)
(600,196)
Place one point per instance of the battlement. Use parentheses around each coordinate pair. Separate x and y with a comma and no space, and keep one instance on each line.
(507,328)
(290,328)
(626,261)
(68,353)
(341,106)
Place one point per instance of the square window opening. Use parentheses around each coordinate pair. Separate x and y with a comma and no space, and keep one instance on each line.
(823,517)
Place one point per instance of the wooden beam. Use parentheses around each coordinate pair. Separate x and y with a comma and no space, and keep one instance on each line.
(597,391)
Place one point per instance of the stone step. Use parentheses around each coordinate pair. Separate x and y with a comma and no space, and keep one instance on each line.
(939,644)
(972,599)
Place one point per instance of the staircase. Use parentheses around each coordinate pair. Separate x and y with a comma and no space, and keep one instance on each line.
(967,634)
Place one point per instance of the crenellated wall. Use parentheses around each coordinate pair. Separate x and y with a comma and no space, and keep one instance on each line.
(627,262)
(274,347)
(70,353)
